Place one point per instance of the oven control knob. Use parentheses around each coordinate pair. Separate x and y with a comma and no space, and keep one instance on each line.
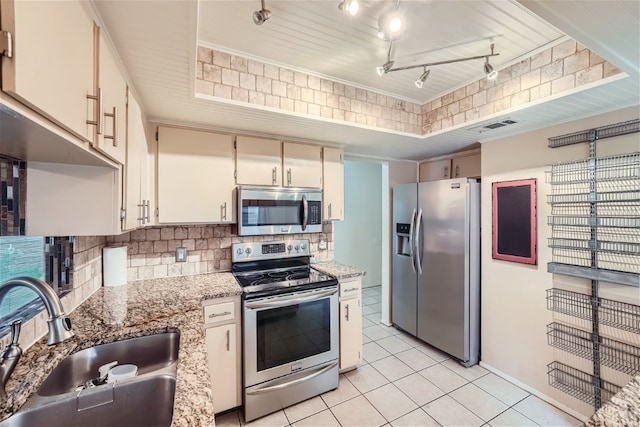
(239,251)
(247,251)
(297,248)
(289,248)
(303,246)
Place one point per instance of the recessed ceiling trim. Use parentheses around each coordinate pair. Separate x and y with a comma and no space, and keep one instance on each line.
(302,70)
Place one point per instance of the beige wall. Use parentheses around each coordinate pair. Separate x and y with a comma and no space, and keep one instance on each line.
(514,313)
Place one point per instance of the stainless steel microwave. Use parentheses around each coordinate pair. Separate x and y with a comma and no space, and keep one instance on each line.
(279,210)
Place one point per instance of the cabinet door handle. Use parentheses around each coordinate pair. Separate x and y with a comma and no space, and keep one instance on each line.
(228,339)
(98,120)
(143,206)
(289,176)
(114,135)
(223,211)
(330,216)
(446,171)
(346,312)
(148,215)
(457,170)
(273,175)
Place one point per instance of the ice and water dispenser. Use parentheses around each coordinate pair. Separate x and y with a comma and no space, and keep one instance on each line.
(403,241)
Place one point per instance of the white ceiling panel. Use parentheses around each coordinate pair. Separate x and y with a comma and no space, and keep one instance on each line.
(156,42)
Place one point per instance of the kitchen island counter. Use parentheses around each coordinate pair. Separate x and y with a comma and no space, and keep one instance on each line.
(622,410)
(139,308)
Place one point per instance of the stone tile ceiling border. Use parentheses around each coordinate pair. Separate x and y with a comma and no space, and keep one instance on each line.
(559,69)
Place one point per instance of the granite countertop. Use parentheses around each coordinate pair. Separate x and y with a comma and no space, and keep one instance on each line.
(341,271)
(139,308)
(622,410)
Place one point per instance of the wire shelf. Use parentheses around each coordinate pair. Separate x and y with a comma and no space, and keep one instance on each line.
(611,168)
(588,221)
(620,356)
(599,197)
(615,247)
(579,384)
(611,313)
(618,129)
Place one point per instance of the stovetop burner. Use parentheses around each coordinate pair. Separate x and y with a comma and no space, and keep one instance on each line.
(268,268)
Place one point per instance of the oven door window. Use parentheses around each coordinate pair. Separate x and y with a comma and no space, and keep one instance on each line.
(291,333)
(271,212)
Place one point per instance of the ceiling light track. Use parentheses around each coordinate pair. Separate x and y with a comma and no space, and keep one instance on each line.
(487,67)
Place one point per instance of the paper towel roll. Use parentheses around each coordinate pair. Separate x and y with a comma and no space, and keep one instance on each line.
(114,265)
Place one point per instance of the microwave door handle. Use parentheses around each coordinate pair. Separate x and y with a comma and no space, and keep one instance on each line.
(305,212)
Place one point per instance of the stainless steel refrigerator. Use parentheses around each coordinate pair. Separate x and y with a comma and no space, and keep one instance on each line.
(436,264)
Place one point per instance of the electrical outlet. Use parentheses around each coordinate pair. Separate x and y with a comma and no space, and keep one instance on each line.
(322,245)
(181,254)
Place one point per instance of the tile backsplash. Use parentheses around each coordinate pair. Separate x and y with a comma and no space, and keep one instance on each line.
(13,195)
(151,250)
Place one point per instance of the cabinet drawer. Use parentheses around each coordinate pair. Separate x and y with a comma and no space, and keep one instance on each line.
(219,312)
(350,288)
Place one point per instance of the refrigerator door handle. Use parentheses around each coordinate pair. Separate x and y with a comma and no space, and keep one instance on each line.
(417,251)
(412,254)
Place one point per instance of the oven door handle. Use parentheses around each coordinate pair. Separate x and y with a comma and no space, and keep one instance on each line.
(289,301)
(319,372)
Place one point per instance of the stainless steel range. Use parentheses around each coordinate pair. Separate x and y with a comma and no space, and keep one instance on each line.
(290,325)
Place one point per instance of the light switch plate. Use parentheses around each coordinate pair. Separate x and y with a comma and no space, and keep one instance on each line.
(181,254)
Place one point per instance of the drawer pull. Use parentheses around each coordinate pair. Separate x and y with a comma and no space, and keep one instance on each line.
(351,289)
(214,315)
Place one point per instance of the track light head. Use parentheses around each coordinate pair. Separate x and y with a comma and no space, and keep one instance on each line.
(349,7)
(489,70)
(260,16)
(384,69)
(423,77)
(391,25)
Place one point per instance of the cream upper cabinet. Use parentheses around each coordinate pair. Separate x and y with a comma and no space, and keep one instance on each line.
(136,191)
(435,170)
(72,200)
(110,137)
(466,166)
(333,183)
(302,165)
(258,161)
(51,68)
(195,176)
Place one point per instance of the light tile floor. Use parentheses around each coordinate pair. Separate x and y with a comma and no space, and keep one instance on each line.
(405,382)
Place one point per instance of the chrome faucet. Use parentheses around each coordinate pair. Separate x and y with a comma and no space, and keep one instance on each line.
(59,325)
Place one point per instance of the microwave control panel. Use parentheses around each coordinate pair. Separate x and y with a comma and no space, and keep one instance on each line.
(315,213)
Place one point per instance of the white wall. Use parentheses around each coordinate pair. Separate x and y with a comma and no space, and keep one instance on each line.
(514,312)
(358,238)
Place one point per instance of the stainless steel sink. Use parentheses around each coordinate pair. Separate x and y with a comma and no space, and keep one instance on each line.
(146,399)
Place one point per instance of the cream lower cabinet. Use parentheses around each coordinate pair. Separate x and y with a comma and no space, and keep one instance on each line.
(224,349)
(195,176)
(332,184)
(258,161)
(302,165)
(350,323)
(51,68)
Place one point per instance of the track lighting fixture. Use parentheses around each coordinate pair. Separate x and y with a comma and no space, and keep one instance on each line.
(391,24)
(388,66)
(259,16)
(488,68)
(384,69)
(349,7)
(423,77)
